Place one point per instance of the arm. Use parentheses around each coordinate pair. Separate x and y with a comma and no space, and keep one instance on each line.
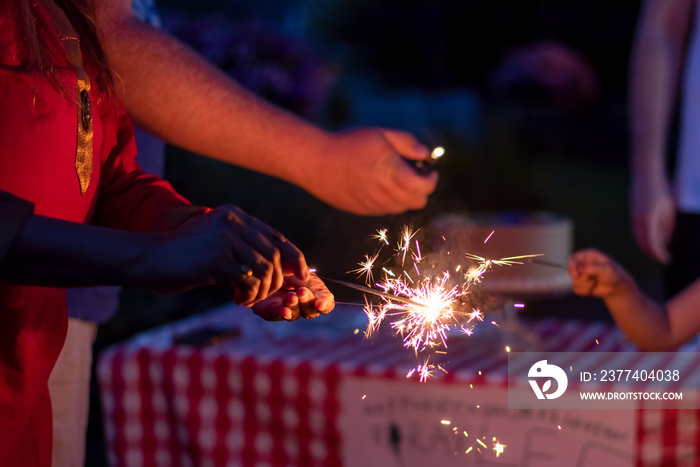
(656,63)
(224,246)
(646,323)
(175,94)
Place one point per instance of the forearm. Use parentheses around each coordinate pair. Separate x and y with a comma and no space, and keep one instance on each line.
(654,73)
(230,124)
(56,253)
(643,321)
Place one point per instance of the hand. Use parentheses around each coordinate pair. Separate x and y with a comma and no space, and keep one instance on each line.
(224,246)
(653,217)
(362,172)
(308,299)
(594,273)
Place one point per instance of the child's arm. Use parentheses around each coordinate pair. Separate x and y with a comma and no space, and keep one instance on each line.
(646,323)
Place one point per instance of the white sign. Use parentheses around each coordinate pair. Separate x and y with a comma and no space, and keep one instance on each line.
(395,423)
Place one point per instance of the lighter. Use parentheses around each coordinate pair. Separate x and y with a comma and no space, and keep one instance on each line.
(427,165)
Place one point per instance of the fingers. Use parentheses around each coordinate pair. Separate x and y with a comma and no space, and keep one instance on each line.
(653,235)
(263,251)
(308,300)
(315,298)
(585,286)
(589,261)
(593,273)
(306,303)
(278,307)
(416,187)
(265,235)
(264,260)
(419,186)
(405,144)
(653,218)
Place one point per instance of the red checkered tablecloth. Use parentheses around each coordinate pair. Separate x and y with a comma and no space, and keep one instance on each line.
(271,396)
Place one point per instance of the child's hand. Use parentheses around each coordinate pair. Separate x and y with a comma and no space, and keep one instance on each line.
(308,299)
(594,273)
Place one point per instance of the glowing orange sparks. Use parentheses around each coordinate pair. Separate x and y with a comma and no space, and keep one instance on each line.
(476,314)
(407,235)
(438,302)
(381,236)
(366,267)
(499,448)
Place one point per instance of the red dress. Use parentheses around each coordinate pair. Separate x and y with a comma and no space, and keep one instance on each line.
(37,163)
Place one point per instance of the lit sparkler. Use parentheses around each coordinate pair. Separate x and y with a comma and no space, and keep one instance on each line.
(423,308)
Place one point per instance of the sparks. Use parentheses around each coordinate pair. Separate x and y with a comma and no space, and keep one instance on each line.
(519,305)
(366,267)
(364,397)
(476,314)
(425,371)
(481,442)
(418,256)
(487,238)
(407,235)
(445,422)
(437,302)
(381,236)
(498,447)
(474,274)
(424,325)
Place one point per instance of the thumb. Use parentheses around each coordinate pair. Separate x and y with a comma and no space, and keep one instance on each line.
(405,144)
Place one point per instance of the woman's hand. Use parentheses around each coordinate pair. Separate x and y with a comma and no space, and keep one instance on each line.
(223,246)
(308,298)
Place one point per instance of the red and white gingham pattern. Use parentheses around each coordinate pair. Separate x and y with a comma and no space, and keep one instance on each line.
(269,399)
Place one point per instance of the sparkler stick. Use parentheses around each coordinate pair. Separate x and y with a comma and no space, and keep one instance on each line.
(543,262)
(368,290)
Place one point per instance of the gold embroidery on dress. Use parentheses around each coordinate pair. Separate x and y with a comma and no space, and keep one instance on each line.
(83,147)
(85,134)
